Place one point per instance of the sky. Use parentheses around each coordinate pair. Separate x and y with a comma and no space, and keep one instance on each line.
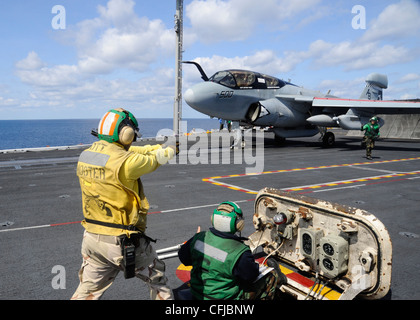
(73,59)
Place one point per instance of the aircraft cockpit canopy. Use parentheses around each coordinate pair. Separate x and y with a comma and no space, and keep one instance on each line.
(242,79)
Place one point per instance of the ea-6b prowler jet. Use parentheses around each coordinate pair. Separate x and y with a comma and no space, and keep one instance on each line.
(291,111)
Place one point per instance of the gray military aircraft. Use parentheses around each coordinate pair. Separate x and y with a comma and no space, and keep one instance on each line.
(291,111)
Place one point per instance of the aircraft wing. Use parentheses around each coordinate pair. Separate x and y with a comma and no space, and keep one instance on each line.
(371,106)
(351,114)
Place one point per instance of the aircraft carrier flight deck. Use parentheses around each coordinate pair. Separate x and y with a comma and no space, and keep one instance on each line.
(40,205)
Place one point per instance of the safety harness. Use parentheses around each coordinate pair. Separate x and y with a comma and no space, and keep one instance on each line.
(113,225)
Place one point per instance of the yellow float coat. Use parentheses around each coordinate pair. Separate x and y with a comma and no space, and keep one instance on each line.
(111,188)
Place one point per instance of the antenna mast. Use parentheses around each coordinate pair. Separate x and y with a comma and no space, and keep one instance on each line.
(178,70)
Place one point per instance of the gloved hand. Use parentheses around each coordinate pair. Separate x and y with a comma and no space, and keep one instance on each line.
(175,147)
(164,155)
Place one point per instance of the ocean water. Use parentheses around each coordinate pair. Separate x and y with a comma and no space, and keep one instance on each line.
(20,134)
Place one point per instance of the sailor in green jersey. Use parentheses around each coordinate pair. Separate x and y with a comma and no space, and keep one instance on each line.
(223,266)
(371,134)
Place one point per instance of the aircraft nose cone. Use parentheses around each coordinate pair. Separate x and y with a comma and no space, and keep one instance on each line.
(201,97)
(189,97)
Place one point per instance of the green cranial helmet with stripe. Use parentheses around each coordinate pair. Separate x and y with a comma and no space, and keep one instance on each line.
(113,121)
(228,217)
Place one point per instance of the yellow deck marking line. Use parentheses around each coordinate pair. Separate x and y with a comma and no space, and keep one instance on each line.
(212,180)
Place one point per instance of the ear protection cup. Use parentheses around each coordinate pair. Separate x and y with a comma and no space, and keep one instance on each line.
(126,135)
(240,223)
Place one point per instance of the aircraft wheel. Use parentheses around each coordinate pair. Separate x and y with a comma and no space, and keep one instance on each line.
(329,139)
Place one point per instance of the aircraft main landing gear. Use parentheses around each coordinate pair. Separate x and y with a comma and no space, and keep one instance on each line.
(328,140)
(327,137)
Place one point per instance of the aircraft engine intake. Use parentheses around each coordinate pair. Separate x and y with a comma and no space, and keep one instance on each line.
(279,114)
(253,112)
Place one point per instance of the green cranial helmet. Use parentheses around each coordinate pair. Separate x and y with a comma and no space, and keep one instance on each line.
(374,119)
(112,124)
(228,217)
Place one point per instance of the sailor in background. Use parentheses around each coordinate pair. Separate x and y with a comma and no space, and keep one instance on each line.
(371,135)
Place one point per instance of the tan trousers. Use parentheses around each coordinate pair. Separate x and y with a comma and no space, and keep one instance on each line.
(102,261)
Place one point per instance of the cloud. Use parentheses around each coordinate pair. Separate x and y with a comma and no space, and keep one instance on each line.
(355,55)
(124,41)
(379,46)
(119,12)
(32,70)
(343,88)
(235,20)
(8,102)
(31,62)
(116,39)
(65,86)
(383,43)
(398,20)
(409,78)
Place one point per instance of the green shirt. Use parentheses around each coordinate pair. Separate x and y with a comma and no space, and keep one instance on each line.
(371,131)
(213,261)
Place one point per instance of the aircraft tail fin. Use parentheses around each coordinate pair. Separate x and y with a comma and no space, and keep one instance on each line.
(375,82)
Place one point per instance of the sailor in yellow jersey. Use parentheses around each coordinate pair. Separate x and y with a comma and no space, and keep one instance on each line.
(115,209)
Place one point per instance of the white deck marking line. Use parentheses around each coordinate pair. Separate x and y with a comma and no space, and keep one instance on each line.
(155,212)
